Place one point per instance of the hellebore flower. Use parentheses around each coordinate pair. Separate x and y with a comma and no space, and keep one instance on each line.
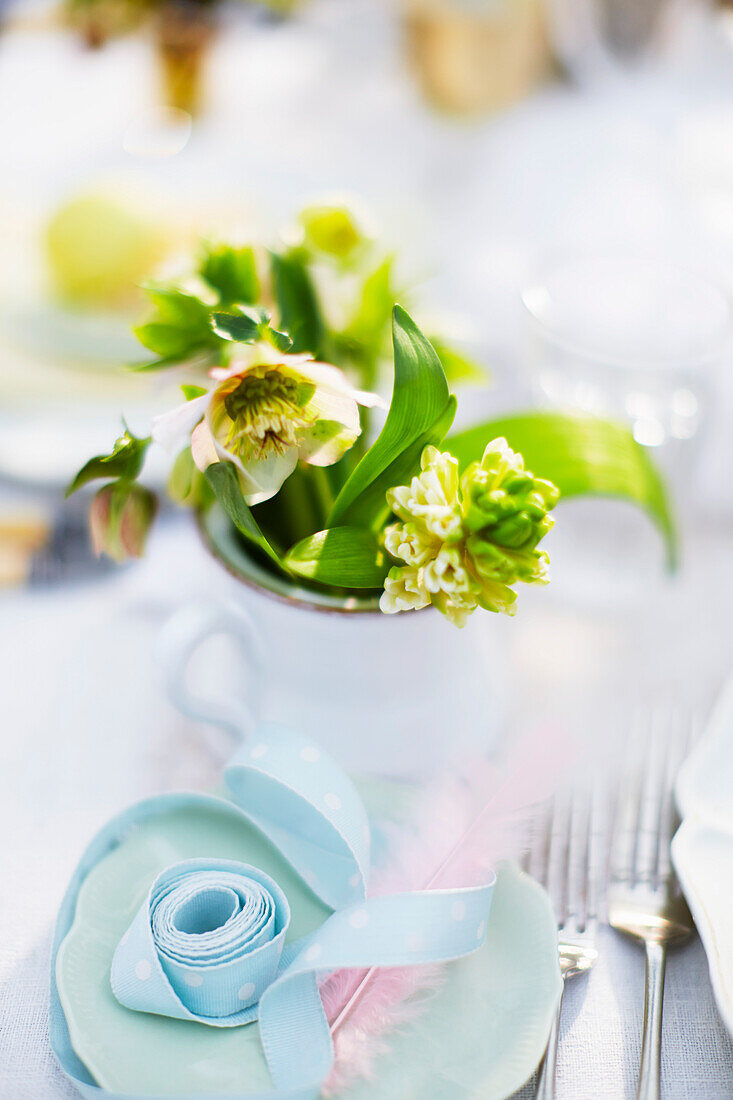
(465,541)
(264,415)
(120,516)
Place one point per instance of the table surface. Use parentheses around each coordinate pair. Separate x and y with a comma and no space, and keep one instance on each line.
(86,727)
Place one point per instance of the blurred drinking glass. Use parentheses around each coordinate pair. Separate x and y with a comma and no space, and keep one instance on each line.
(636,339)
(476,57)
(602,39)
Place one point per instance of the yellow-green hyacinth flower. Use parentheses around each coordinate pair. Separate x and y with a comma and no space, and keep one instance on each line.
(263,415)
(465,541)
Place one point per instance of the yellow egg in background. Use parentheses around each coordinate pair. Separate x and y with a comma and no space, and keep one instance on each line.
(100,246)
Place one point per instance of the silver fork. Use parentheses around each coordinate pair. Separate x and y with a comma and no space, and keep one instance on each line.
(644,898)
(569,866)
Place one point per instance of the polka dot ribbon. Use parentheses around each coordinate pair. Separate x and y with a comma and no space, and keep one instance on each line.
(208,943)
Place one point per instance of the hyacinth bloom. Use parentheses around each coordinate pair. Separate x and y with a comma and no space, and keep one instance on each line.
(264,415)
(120,518)
(464,541)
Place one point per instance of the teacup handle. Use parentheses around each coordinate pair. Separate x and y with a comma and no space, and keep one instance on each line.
(182,636)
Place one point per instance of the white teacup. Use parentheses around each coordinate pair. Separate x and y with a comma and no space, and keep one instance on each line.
(395,694)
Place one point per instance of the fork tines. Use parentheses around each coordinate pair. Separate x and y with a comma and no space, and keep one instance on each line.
(645,814)
(569,857)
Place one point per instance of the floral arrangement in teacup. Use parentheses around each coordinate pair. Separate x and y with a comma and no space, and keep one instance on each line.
(273,428)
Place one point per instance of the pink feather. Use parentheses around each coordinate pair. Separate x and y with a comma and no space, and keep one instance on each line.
(461,827)
(393,997)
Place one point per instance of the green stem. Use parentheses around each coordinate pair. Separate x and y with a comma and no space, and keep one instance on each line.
(300,508)
(321,485)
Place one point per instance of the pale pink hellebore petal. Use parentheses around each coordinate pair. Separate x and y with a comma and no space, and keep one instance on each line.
(173,429)
(331,378)
(325,442)
(336,405)
(203,446)
(259,355)
(260,479)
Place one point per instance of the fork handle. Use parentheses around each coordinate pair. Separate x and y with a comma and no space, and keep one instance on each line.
(546,1079)
(651,1047)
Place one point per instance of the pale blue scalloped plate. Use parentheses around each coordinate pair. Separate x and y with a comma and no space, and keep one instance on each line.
(481,1035)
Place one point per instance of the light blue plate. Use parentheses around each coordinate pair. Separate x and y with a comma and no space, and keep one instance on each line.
(481,1036)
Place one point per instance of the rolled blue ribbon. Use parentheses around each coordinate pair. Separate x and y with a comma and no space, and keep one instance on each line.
(205,946)
(300,798)
(208,942)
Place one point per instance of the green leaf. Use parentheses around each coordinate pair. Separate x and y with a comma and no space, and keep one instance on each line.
(363,342)
(371,508)
(231,272)
(421,412)
(179,326)
(372,316)
(457,366)
(244,326)
(124,462)
(248,324)
(167,341)
(582,455)
(279,340)
(348,557)
(155,364)
(300,313)
(191,392)
(177,307)
(222,478)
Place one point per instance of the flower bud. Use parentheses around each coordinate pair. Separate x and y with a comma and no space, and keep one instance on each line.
(506,512)
(186,484)
(120,517)
(332,230)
